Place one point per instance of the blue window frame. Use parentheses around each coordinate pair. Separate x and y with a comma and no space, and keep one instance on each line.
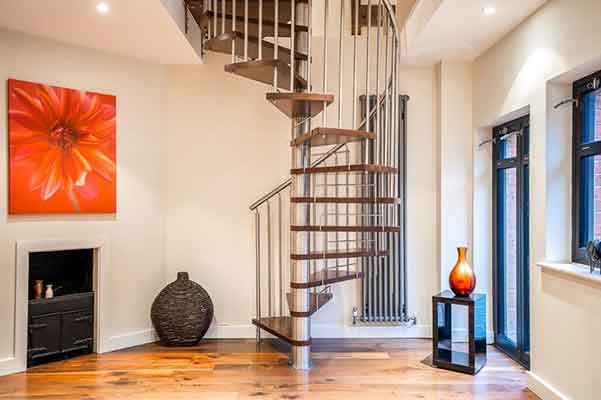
(586,195)
(511,237)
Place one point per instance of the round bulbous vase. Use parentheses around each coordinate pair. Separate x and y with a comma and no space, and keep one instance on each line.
(462,279)
(182,312)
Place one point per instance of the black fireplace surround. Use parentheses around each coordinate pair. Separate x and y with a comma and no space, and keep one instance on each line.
(62,326)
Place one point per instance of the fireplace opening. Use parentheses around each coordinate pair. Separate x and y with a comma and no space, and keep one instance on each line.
(61,305)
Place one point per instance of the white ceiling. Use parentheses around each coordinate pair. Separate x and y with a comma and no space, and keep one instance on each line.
(435,30)
(142,29)
(457,30)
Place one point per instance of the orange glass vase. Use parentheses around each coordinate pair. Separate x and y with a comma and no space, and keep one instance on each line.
(462,279)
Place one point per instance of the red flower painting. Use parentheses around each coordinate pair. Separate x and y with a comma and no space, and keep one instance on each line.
(61,150)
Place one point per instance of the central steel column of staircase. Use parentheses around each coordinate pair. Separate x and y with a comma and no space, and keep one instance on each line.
(343,196)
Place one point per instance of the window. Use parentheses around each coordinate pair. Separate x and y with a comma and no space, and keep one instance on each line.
(586,204)
(510,231)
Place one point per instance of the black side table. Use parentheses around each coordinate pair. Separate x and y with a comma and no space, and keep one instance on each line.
(473,357)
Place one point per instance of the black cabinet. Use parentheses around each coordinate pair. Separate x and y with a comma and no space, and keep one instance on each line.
(468,357)
(60,327)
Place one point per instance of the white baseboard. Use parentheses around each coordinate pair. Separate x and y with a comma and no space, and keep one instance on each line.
(227,331)
(320,330)
(129,339)
(543,389)
(9,366)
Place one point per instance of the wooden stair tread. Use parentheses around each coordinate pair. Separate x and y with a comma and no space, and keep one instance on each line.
(346,200)
(327,277)
(284,28)
(334,228)
(223,44)
(345,168)
(300,105)
(263,71)
(329,136)
(280,327)
(334,254)
(317,300)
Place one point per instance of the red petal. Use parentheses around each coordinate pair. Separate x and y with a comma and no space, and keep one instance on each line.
(100,163)
(33,107)
(26,120)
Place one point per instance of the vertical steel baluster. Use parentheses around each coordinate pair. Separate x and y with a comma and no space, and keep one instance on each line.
(324,114)
(356,34)
(246,30)
(260,39)
(309,21)
(223,11)
(276,45)
(234,30)
(280,260)
(269,266)
(340,62)
(292,44)
(258,269)
(215,16)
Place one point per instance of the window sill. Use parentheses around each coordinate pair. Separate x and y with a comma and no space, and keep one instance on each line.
(575,272)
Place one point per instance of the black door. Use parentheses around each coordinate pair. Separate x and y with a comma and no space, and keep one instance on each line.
(510,233)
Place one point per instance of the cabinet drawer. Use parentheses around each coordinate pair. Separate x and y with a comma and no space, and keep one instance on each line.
(77,330)
(81,301)
(44,335)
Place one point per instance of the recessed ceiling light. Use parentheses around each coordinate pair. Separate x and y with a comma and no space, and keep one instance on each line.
(489,10)
(103,8)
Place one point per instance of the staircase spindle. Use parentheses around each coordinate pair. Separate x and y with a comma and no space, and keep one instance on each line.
(246,30)
(340,61)
(276,37)
(269,265)
(355,35)
(280,259)
(223,12)
(379,147)
(308,20)
(215,17)
(260,39)
(234,30)
(292,43)
(326,11)
(258,269)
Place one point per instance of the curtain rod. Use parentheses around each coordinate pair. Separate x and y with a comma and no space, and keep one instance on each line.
(505,136)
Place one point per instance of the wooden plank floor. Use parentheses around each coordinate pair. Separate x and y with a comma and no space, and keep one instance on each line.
(234,369)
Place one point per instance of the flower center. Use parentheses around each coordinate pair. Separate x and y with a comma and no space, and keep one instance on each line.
(63,136)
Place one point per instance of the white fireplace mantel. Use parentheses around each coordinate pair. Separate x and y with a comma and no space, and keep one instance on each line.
(101,248)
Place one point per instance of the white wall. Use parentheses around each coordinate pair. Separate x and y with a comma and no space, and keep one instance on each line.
(228,146)
(455,144)
(136,232)
(514,76)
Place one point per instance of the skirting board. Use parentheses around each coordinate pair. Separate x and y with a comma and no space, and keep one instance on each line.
(542,389)
(9,366)
(326,331)
(129,339)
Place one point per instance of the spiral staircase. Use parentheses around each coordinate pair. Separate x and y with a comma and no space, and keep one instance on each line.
(345,190)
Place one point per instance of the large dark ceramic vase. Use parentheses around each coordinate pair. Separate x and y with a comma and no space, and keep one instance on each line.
(182,312)
(462,278)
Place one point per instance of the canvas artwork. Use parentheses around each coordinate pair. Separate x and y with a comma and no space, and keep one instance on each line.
(61,150)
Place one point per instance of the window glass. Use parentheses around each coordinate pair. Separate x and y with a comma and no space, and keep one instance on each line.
(508,147)
(590,117)
(508,247)
(590,199)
